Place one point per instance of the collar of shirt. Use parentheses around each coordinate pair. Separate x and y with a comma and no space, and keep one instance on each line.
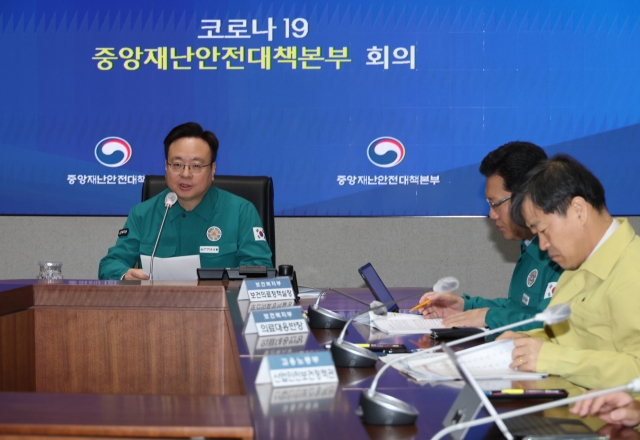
(532,248)
(204,208)
(609,232)
(601,262)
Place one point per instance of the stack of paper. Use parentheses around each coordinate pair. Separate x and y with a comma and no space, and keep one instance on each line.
(486,362)
(404,324)
(308,292)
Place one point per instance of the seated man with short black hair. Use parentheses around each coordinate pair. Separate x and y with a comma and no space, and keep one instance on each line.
(599,345)
(534,276)
(222,228)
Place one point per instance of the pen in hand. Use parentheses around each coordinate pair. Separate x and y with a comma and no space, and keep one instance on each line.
(420,305)
(446,284)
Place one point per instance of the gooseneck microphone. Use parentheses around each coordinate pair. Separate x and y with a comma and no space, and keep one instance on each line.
(320,317)
(473,383)
(169,200)
(381,409)
(347,354)
(633,386)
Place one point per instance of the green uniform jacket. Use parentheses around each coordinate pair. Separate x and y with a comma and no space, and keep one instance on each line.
(532,285)
(599,345)
(224,229)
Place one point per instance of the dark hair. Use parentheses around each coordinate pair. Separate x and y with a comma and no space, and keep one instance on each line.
(191,130)
(552,185)
(512,162)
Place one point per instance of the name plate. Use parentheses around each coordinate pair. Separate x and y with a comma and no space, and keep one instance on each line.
(266,289)
(247,307)
(280,344)
(287,370)
(290,400)
(276,322)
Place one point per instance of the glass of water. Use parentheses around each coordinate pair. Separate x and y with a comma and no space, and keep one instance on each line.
(50,270)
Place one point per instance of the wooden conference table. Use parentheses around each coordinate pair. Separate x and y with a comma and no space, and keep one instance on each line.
(134,360)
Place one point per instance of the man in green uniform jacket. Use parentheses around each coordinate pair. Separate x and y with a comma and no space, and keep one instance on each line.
(599,345)
(223,229)
(534,276)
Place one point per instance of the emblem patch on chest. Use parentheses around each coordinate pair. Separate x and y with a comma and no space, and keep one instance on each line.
(551,288)
(532,277)
(214,233)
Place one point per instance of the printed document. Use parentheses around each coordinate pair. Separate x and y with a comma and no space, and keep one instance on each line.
(404,324)
(174,268)
(486,362)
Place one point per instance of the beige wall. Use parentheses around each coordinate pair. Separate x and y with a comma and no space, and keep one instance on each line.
(406,251)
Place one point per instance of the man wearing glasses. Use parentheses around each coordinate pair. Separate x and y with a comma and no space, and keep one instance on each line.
(535,275)
(225,230)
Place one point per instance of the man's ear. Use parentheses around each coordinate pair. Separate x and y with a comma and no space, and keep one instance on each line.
(579,206)
(213,170)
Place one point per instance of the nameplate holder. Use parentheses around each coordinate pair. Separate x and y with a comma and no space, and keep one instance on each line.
(307,368)
(296,399)
(247,307)
(276,322)
(266,289)
(279,344)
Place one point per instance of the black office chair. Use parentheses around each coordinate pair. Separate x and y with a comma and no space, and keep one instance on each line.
(256,189)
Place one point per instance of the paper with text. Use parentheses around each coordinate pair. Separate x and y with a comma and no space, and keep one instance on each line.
(486,362)
(405,324)
(173,268)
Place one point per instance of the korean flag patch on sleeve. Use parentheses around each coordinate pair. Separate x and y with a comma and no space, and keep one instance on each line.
(551,288)
(258,234)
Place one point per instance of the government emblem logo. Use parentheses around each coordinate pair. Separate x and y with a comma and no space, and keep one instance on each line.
(113,152)
(531,278)
(385,152)
(214,233)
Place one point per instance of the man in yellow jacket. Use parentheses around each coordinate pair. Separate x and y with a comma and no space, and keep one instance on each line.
(599,345)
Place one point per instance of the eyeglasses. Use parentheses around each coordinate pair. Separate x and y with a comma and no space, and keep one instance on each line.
(498,203)
(178,167)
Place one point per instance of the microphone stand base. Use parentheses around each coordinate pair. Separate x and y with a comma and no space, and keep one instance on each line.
(319,317)
(347,354)
(382,409)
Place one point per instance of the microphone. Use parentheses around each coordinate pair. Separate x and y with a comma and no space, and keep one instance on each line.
(381,409)
(169,200)
(473,383)
(347,354)
(319,317)
(446,284)
(633,386)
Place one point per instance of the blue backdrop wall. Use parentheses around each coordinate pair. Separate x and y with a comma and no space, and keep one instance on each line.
(356,108)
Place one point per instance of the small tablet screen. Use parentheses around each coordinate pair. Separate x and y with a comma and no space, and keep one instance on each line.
(377,287)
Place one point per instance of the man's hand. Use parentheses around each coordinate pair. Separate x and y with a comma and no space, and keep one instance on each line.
(470,318)
(525,353)
(135,274)
(442,304)
(618,408)
(512,335)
